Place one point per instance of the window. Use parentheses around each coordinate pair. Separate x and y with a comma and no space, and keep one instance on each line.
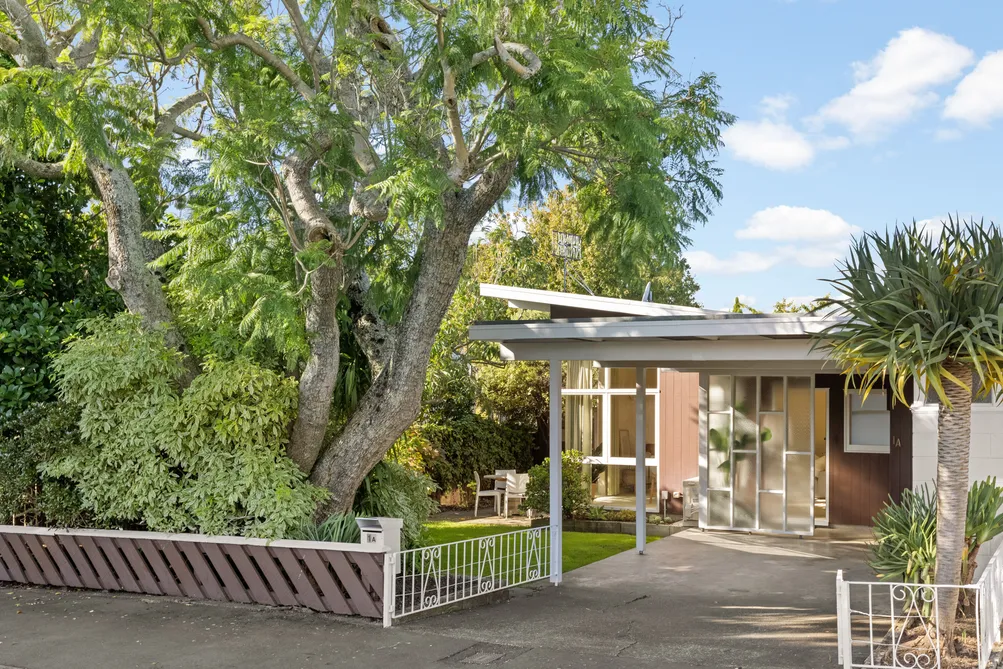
(868,422)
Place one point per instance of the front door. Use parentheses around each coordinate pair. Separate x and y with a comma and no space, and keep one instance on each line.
(760,454)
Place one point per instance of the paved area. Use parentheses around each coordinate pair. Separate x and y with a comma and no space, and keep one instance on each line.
(694,600)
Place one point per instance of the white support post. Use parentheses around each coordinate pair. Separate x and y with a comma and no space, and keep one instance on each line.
(389,587)
(640,474)
(556,484)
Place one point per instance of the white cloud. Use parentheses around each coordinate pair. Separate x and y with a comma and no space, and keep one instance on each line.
(832,143)
(786,224)
(742,262)
(897,82)
(947,134)
(772,144)
(776,106)
(978,99)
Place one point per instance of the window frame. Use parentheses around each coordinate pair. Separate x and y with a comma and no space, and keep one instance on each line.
(849,446)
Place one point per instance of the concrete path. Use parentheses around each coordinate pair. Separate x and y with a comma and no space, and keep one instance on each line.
(694,600)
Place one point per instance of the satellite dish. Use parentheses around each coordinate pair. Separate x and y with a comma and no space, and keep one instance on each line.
(647,293)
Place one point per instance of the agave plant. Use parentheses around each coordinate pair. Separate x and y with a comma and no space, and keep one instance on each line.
(913,305)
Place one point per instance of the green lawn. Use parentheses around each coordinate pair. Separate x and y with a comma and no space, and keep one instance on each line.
(580,548)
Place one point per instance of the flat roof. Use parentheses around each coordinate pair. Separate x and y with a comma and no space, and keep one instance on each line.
(542,300)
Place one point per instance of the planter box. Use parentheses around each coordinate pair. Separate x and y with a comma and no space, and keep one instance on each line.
(610,527)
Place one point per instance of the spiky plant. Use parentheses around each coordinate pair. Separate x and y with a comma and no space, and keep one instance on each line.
(915,304)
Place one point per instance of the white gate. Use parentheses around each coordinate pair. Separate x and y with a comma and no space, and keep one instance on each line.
(426,578)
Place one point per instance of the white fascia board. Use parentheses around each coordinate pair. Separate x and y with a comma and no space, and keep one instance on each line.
(780,326)
(682,355)
(542,300)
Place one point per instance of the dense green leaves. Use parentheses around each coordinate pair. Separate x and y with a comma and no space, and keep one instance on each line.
(209,458)
(576,496)
(52,268)
(911,302)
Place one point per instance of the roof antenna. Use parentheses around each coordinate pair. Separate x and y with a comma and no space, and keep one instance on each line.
(647,293)
(568,247)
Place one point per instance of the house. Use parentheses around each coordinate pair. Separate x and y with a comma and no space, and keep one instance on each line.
(741,401)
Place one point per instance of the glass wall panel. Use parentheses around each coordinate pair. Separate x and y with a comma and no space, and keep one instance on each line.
(583,426)
(582,375)
(771,511)
(719,450)
(624,421)
(621,483)
(745,490)
(626,377)
(771,427)
(719,508)
(595,474)
(771,393)
(719,393)
(745,395)
(799,492)
(799,404)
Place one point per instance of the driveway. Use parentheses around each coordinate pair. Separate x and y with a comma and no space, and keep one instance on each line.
(694,600)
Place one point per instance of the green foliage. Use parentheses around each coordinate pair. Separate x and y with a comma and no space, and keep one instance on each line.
(340,527)
(209,458)
(912,303)
(391,490)
(453,448)
(28,440)
(52,269)
(575,496)
(905,533)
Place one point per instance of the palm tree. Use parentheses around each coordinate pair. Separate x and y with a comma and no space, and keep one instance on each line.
(927,306)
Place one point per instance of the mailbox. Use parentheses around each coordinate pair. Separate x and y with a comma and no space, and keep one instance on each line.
(381,533)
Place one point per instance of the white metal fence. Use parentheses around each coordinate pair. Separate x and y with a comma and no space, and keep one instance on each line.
(425,578)
(892,625)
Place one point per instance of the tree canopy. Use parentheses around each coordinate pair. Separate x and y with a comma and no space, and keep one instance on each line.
(307,175)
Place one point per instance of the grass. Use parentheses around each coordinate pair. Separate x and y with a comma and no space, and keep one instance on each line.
(580,548)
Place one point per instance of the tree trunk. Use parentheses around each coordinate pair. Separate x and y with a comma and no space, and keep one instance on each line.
(953,444)
(392,403)
(316,385)
(128,274)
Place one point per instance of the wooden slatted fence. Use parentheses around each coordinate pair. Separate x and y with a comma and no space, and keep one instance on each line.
(338,578)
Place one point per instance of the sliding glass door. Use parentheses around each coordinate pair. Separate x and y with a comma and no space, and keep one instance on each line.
(760,464)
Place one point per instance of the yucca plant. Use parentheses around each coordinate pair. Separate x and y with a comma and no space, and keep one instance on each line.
(908,305)
(341,527)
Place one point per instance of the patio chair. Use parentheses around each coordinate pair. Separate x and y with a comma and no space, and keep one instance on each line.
(515,488)
(491,492)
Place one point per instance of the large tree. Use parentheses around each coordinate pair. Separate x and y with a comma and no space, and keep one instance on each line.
(345,152)
(927,307)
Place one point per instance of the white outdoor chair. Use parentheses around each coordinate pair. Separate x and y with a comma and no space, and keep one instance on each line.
(515,488)
(491,492)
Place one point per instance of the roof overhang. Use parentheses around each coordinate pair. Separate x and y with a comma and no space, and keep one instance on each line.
(542,300)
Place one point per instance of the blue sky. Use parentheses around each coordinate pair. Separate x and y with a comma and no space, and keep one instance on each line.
(854,114)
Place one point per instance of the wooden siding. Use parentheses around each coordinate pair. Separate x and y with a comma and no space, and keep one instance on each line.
(679,432)
(313,574)
(860,483)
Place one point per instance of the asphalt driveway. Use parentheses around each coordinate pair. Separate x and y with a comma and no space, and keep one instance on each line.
(694,600)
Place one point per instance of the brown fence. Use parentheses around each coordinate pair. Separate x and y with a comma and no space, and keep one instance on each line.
(340,578)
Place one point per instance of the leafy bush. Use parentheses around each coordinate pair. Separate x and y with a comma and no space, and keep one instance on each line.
(392,490)
(210,458)
(27,441)
(453,448)
(575,496)
(340,527)
(906,533)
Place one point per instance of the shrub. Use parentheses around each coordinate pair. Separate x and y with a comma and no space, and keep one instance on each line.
(905,547)
(27,495)
(454,447)
(340,527)
(575,496)
(210,458)
(393,491)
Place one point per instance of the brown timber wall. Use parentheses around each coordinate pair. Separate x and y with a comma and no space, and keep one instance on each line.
(317,575)
(679,431)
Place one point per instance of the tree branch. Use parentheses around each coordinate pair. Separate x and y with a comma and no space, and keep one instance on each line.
(39,169)
(449,101)
(33,45)
(239,39)
(502,49)
(9,45)
(167,122)
(296,173)
(84,53)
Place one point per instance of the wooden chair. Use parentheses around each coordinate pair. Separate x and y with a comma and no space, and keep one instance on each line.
(491,492)
(515,488)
